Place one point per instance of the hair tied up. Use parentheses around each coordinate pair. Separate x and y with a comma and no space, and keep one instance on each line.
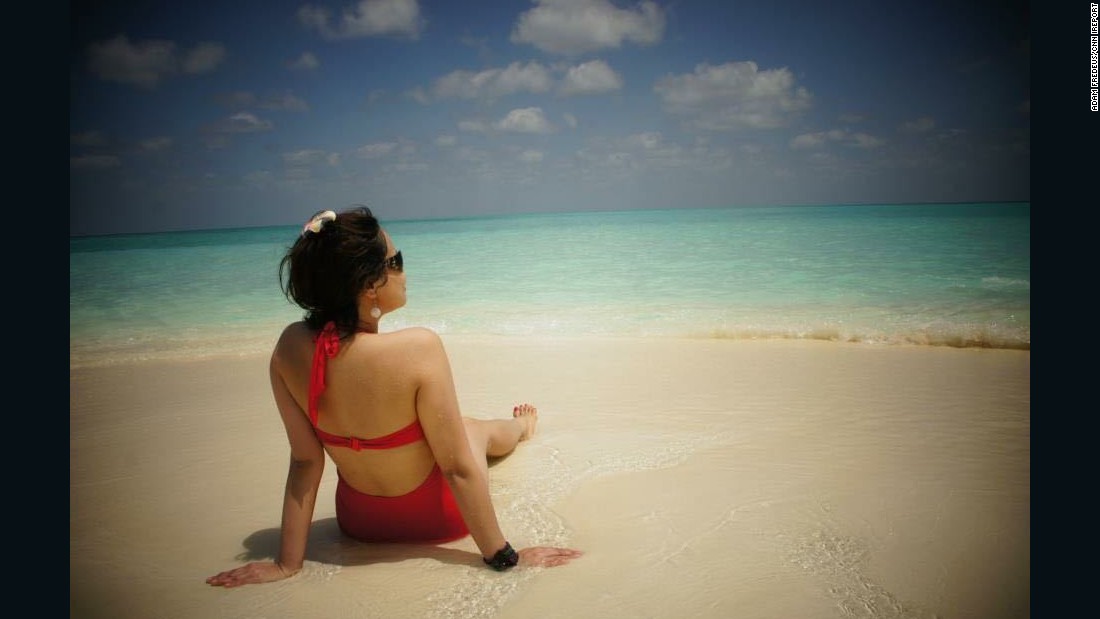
(317,222)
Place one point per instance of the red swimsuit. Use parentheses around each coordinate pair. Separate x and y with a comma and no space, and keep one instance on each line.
(428,514)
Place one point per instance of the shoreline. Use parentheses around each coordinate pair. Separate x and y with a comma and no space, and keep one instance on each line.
(262,346)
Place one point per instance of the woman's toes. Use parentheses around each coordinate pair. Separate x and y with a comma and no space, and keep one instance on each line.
(529,416)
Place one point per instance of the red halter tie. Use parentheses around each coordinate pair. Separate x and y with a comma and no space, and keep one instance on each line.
(327,345)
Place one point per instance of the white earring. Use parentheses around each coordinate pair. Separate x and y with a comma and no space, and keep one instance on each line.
(375,312)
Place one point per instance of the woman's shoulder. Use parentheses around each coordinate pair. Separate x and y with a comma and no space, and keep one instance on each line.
(404,351)
(296,331)
(295,336)
(415,336)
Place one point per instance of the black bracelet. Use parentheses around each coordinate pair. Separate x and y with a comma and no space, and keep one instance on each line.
(505,559)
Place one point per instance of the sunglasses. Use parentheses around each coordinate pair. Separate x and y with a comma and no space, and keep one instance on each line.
(396,262)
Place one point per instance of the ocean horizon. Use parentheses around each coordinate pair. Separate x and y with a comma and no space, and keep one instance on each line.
(897,274)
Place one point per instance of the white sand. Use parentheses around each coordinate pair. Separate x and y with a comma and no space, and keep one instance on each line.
(704,478)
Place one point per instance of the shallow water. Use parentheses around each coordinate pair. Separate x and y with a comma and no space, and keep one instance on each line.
(950,275)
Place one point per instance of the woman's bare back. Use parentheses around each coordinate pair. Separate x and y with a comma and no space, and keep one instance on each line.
(370,391)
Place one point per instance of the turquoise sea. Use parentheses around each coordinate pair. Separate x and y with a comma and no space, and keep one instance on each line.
(925,274)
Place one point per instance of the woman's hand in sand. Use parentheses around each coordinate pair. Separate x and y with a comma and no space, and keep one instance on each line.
(251,574)
(546,556)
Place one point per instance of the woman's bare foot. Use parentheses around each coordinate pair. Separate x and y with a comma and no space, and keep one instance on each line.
(528,415)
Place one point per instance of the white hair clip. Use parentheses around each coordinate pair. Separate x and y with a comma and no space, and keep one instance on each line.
(317,223)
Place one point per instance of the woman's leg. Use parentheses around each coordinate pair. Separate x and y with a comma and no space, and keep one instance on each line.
(492,438)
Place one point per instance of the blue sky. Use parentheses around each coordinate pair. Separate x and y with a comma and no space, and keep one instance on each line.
(193,115)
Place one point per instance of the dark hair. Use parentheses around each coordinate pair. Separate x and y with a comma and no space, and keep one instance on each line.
(327,270)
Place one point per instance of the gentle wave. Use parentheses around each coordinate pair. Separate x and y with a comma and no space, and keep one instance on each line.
(98,353)
(977,338)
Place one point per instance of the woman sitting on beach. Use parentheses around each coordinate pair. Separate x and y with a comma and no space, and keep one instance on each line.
(410,467)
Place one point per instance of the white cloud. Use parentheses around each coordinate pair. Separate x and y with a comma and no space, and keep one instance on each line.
(516,77)
(408,147)
(304,158)
(531,156)
(473,126)
(377,149)
(365,19)
(143,64)
(919,125)
(525,120)
(242,99)
(579,26)
(864,140)
(417,94)
(472,155)
(570,120)
(245,122)
(811,141)
(808,141)
(156,144)
(297,173)
(204,58)
(306,62)
(242,122)
(259,177)
(446,140)
(596,158)
(649,151)
(147,62)
(593,77)
(285,101)
(648,140)
(825,159)
(734,95)
(651,147)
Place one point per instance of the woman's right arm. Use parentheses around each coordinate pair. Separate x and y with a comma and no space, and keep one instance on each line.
(438,411)
(307,463)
